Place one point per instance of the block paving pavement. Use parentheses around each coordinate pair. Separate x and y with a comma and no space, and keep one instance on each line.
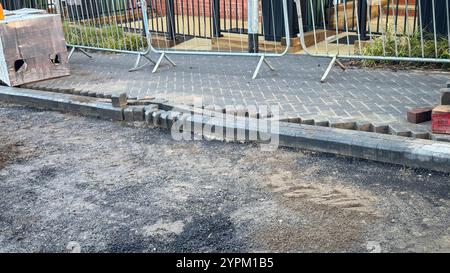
(377,96)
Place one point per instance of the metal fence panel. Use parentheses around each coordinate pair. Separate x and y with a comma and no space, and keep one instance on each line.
(377,30)
(197,27)
(218,27)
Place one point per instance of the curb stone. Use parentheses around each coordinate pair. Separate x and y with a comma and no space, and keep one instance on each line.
(416,153)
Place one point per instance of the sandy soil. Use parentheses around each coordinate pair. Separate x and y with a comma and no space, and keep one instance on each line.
(70,184)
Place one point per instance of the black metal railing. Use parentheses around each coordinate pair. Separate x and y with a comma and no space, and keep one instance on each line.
(359,16)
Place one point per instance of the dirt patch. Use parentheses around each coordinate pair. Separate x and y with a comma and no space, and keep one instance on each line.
(8,152)
(98,186)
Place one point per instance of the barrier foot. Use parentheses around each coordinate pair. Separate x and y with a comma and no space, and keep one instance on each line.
(258,67)
(138,59)
(79,49)
(163,56)
(330,66)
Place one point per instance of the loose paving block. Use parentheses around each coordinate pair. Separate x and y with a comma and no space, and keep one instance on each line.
(241,111)
(155,117)
(440,137)
(445,96)
(162,121)
(399,130)
(68,90)
(138,113)
(420,133)
(298,120)
(128,114)
(219,109)
(380,128)
(253,114)
(149,114)
(419,115)
(107,111)
(172,118)
(264,112)
(342,124)
(440,120)
(363,125)
(230,110)
(304,119)
(210,107)
(119,100)
(321,121)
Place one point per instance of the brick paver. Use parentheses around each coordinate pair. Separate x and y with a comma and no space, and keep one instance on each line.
(374,95)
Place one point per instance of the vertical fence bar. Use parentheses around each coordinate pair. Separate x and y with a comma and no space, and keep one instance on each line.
(170,20)
(253,23)
(362,14)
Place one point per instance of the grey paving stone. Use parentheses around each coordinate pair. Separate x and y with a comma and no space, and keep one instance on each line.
(420,133)
(155,117)
(298,120)
(373,95)
(399,130)
(107,111)
(241,111)
(380,128)
(138,113)
(342,123)
(321,121)
(445,96)
(363,125)
(128,114)
(119,100)
(440,137)
(230,110)
(162,121)
(304,119)
(219,109)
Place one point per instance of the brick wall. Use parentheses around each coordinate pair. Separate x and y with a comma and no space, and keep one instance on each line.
(228,8)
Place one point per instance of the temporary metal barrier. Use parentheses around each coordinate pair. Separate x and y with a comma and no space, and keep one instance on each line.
(199,18)
(214,27)
(377,30)
(191,27)
(106,25)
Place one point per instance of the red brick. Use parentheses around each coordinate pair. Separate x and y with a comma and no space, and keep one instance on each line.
(419,115)
(445,96)
(234,9)
(441,119)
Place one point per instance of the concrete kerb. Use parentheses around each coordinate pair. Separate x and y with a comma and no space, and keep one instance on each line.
(416,153)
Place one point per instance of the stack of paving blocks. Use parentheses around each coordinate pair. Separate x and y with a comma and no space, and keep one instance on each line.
(441,114)
(32,47)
